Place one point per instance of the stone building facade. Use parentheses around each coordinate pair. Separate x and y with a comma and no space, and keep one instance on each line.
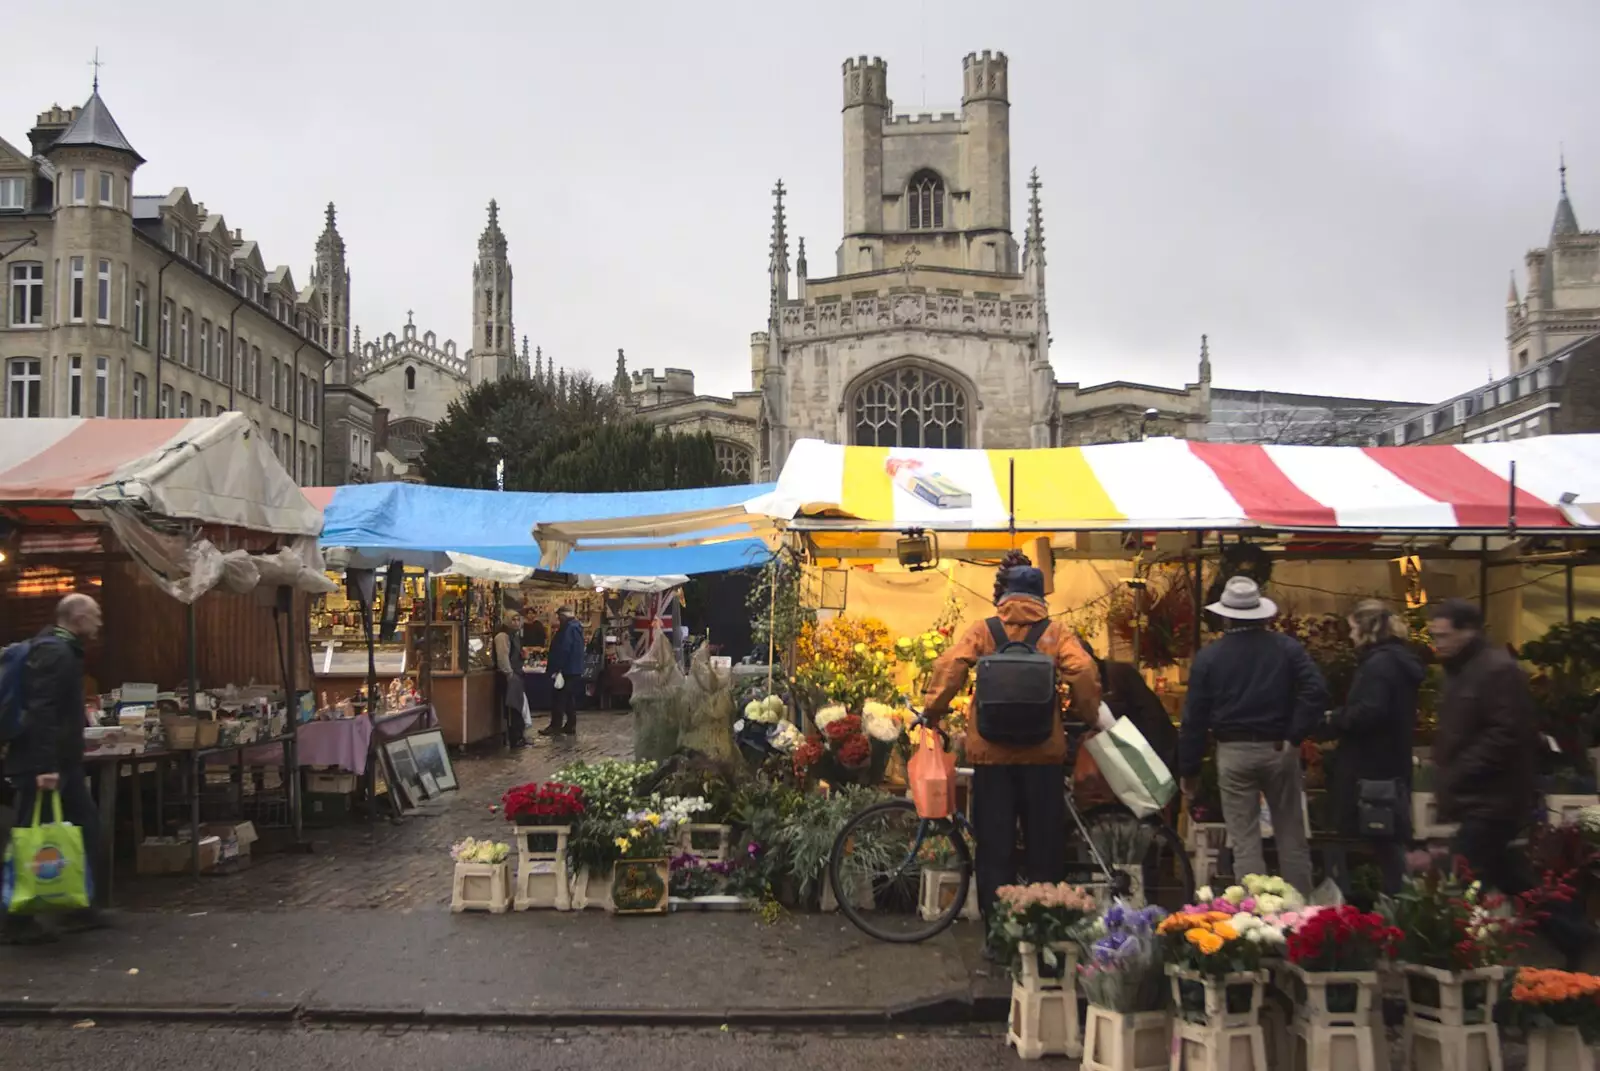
(133,306)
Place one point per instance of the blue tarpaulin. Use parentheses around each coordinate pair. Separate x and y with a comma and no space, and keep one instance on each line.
(418,523)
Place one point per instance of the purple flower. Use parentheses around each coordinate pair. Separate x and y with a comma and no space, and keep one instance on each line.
(1115,917)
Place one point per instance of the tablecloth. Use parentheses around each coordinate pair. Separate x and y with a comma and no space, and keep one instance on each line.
(345,742)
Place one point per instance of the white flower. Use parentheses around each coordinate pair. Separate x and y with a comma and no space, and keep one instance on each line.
(1272,935)
(881,726)
(775,704)
(785,737)
(1204,895)
(828,715)
(752,710)
(1244,922)
(1268,904)
(1234,894)
(1255,935)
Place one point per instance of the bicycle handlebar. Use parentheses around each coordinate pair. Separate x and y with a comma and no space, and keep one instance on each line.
(921,720)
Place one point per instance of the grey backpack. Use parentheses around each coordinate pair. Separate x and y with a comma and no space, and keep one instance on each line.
(1016,689)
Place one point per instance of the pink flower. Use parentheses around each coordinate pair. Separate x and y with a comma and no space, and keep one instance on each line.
(1224,907)
(1249,904)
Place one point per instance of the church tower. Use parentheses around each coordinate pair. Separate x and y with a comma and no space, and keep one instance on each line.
(331,278)
(1561,304)
(494,347)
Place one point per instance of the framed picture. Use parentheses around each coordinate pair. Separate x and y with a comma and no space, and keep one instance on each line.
(403,771)
(428,751)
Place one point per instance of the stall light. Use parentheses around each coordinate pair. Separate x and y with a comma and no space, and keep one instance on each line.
(917,550)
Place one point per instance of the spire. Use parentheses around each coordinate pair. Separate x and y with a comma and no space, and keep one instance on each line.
(1566,221)
(538,364)
(800,260)
(1033,251)
(95,128)
(330,241)
(620,383)
(561,383)
(492,243)
(778,261)
(1512,300)
(524,369)
(1205,359)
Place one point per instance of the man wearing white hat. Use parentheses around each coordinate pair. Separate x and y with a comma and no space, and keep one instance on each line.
(1258,693)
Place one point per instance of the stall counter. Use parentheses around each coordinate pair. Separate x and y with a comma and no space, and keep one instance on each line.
(463,702)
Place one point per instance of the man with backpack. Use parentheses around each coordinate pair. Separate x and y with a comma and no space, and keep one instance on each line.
(43,714)
(1016,741)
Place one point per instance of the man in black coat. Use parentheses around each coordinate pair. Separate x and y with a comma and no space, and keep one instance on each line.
(1486,754)
(48,755)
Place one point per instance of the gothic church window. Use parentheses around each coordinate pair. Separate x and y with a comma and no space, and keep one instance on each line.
(910,407)
(411,378)
(925,202)
(734,460)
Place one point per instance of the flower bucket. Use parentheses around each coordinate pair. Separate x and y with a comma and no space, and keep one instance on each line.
(481,887)
(1126,1041)
(939,889)
(541,879)
(1559,1048)
(1454,998)
(1333,996)
(709,842)
(1231,1000)
(639,887)
(1044,1007)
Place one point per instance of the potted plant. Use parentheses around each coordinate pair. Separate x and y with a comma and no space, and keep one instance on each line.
(610,791)
(701,884)
(1560,1014)
(1032,929)
(543,815)
(482,876)
(1129,1028)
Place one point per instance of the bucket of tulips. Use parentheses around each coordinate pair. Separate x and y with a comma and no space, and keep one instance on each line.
(1129,1028)
(1033,927)
(1334,954)
(1559,1012)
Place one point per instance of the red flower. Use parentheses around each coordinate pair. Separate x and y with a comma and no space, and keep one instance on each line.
(806,755)
(551,800)
(841,729)
(855,751)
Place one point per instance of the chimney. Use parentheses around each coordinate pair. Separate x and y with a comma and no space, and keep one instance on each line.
(51,124)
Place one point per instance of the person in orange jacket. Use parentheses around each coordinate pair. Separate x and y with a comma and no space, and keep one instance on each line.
(1012,784)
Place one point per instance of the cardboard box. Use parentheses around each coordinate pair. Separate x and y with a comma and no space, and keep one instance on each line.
(332,783)
(326,808)
(160,857)
(234,839)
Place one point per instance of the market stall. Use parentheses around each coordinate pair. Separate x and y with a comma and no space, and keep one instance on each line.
(199,548)
(469,555)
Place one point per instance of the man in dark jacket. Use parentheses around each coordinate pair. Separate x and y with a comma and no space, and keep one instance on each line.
(48,755)
(1485,752)
(566,672)
(1260,695)
(1374,729)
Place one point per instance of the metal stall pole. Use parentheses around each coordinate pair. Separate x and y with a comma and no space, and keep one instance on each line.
(1572,601)
(196,765)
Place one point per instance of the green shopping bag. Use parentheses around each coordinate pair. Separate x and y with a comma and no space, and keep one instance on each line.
(45,868)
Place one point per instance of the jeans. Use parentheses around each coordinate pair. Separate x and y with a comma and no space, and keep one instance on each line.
(77,807)
(1003,796)
(1486,846)
(564,705)
(1247,771)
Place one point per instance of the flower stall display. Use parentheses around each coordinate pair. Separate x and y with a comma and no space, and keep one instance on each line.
(764,727)
(610,790)
(1560,1013)
(845,662)
(1128,1028)
(543,815)
(1033,926)
(482,880)
(1213,953)
(920,653)
(641,880)
(1334,955)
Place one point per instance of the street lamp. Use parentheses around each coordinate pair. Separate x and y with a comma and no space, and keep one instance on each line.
(1144,422)
(499,463)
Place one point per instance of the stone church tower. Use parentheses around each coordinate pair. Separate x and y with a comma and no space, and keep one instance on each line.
(1562,305)
(330,276)
(933,331)
(493,354)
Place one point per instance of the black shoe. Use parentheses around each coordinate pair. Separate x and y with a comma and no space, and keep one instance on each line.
(86,921)
(549,730)
(570,730)
(25,931)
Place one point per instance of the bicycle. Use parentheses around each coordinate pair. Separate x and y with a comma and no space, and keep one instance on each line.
(891,869)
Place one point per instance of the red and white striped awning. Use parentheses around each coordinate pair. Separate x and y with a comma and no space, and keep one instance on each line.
(214,470)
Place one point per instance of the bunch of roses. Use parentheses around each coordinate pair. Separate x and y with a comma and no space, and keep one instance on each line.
(473,850)
(1447,921)
(1342,939)
(1557,998)
(882,722)
(551,801)
(845,736)
(1216,943)
(1041,915)
(1270,898)
(807,755)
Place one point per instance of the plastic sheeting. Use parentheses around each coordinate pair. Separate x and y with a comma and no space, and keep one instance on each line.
(188,568)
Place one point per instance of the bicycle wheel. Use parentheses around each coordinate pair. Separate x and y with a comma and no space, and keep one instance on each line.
(1147,849)
(883,862)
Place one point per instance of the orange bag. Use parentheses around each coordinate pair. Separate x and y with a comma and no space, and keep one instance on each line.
(1089,787)
(932,776)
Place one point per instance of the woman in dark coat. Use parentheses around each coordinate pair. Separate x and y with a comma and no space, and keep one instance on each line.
(1374,730)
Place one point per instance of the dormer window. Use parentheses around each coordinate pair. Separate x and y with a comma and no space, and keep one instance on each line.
(13,194)
(411,378)
(925,202)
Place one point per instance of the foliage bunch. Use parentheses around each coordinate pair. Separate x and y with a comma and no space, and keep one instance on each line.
(845,661)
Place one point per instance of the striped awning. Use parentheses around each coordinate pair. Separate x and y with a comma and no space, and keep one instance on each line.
(1174,484)
(213,470)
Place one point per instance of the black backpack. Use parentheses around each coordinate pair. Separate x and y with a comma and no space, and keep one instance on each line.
(1016,689)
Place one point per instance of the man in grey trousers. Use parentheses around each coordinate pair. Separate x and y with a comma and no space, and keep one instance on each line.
(1260,695)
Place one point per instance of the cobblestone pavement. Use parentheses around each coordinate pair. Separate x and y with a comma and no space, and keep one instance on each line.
(380,863)
(179,1048)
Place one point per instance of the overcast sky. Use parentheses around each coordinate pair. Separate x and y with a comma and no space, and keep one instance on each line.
(1335,192)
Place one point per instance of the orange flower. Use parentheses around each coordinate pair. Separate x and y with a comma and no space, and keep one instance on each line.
(1225,931)
(1208,943)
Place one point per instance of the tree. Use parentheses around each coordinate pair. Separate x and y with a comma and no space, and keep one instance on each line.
(575,436)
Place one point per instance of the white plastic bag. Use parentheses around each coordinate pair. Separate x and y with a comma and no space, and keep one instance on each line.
(527,715)
(1132,769)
